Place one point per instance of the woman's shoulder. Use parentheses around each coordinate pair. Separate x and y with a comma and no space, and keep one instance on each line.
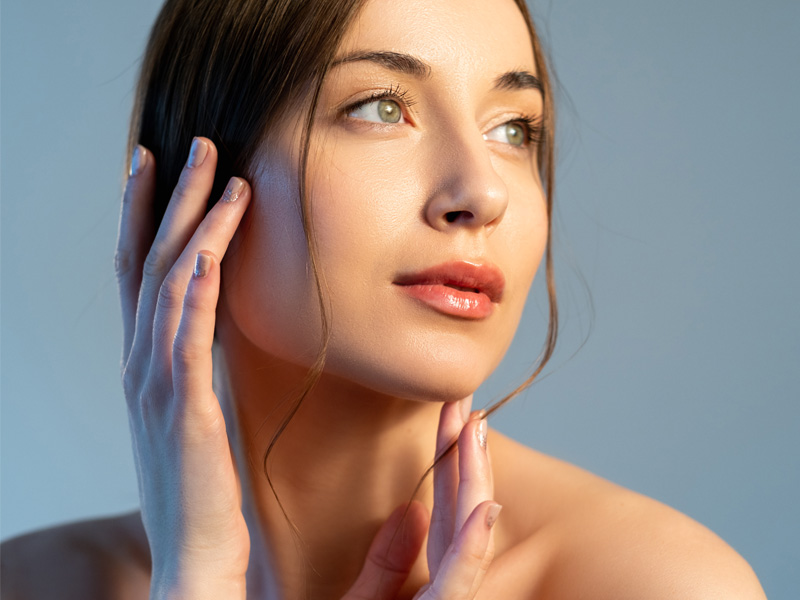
(563,533)
(101,558)
(569,534)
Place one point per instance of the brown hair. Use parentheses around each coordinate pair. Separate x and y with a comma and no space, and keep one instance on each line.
(229,70)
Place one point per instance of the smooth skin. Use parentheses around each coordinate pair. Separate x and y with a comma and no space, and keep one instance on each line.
(201,545)
(563,533)
(209,526)
(567,534)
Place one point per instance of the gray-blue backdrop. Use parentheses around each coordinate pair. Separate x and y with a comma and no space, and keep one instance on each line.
(678,209)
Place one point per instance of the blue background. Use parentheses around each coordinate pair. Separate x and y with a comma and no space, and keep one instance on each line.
(676,239)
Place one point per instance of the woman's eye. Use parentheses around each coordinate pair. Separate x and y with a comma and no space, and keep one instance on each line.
(379,111)
(513,133)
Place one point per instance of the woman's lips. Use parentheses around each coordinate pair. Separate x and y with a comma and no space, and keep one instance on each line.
(460,289)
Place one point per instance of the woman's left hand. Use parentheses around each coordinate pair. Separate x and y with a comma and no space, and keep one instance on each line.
(460,542)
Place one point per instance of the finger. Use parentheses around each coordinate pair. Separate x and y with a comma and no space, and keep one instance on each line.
(191,352)
(184,212)
(475,483)
(204,423)
(445,482)
(466,561)
(175,306)
(391,555)
(136,232)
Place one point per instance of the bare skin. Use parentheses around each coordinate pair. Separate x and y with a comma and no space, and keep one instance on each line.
(585,538)
(399,377)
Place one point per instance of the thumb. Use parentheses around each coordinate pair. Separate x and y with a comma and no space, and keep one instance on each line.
(391,554)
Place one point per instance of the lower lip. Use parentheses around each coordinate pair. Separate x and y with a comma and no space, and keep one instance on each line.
(450,301)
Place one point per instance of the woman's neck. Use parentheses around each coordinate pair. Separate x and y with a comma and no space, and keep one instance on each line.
(347,458)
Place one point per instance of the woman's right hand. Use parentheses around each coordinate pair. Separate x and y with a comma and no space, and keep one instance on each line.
(169,284)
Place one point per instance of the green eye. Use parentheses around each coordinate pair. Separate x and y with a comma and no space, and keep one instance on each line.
(379,111)
(389,111)
(513,133)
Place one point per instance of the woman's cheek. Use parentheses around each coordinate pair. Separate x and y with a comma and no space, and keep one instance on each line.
(367,207)
(268,285)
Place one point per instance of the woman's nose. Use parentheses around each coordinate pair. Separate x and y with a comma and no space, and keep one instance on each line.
(469,192)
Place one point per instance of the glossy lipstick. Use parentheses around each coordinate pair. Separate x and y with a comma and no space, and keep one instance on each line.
(459,289)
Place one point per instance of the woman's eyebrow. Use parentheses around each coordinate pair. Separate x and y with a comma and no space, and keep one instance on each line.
(395,61)
(518,80)
(411,65)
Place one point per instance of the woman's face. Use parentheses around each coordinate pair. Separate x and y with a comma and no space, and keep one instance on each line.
(427,210)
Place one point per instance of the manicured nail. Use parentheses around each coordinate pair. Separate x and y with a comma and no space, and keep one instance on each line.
(481,433)
(138,160)
(233,191)
(491,515)
(202,265)
(466,405)
(198,152)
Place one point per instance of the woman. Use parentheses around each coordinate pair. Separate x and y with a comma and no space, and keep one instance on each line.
(376,265)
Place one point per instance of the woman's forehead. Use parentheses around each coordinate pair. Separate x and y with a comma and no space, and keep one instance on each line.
(453,36)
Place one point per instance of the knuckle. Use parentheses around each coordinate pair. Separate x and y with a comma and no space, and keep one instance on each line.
(487,559)
(123,262)
(383,564)
(170,294)
(155,263)
(151,404)
(475,555)
(194,303)
(136,378)
(131,382)
(473,478)
(186,352)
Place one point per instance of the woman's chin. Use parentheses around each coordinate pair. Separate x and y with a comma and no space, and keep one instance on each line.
(445,369)
(426,382)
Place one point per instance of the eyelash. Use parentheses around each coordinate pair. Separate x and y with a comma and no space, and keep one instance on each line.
(533,125)
(394,92)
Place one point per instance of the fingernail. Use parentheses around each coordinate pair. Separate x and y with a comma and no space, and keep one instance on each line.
(138,160)
(233,191)
(202,265)
(198,152)
(476,415)
(481,433)
(466,405)
(491,515)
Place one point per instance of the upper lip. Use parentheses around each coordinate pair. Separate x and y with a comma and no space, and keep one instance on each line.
(485,278)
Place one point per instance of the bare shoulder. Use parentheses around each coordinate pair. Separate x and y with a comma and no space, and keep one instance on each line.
(570,534)
(103,558)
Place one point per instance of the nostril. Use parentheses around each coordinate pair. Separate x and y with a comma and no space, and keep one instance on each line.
(458,215)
